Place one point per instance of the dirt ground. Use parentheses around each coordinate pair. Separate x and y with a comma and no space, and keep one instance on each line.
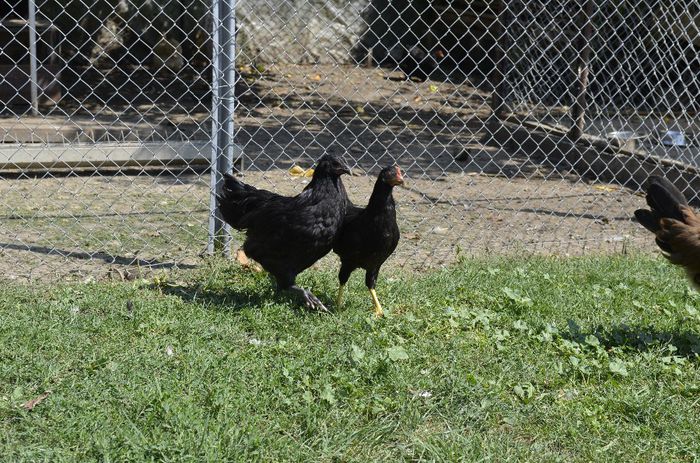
(125,226)
(464,195)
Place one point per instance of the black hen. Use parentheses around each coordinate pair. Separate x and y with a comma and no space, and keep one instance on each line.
(675,224)
(419,64)
(286,235)
(369,235)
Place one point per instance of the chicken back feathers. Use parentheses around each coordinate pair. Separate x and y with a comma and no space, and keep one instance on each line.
(675,224)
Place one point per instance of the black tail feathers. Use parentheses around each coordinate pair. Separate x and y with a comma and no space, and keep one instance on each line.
(664,199)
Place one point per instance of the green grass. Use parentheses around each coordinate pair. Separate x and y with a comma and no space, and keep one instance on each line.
(587,359)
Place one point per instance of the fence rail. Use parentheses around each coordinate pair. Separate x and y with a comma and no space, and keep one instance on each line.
(523,126)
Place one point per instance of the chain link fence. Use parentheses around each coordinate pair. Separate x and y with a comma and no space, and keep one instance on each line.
(523,126)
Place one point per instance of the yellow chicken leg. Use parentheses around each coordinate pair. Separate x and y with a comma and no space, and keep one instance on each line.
(339,299)
(375,302)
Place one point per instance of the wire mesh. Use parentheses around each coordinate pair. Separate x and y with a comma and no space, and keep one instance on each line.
(106,172)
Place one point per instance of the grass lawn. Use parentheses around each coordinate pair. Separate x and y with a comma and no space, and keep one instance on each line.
(537,359)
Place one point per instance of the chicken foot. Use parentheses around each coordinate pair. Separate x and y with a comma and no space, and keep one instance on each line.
(378,311)
(311,301)
(341,293)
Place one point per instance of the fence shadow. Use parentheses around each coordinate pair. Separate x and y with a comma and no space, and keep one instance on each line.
(107,258)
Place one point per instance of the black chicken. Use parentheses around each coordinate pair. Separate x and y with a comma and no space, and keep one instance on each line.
(369,235)
(286,235)
(419,64)
(675,224)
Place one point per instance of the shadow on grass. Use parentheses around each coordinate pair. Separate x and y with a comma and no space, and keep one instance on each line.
(640,338)
(234,299)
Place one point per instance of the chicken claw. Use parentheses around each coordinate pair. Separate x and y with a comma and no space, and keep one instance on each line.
(313,302)
(310,301)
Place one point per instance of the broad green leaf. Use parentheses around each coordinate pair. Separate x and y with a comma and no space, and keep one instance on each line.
(397,353)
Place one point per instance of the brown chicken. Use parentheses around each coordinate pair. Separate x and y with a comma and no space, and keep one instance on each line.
(675,224)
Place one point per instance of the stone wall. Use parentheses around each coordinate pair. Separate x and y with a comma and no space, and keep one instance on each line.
(301,31)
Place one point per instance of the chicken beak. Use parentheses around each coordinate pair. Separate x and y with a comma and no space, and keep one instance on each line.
(398,179)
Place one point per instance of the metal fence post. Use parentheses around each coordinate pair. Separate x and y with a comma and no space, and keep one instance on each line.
(223,106)
(583,47)
(499,97)
(34,87)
